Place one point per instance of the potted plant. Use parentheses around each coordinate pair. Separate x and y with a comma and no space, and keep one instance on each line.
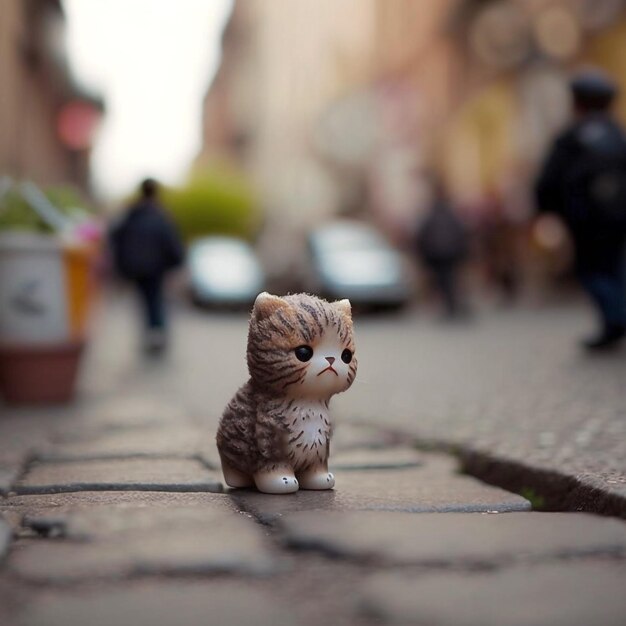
(46,288)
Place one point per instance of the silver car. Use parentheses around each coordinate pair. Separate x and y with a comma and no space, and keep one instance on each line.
(353,260)
(224,271)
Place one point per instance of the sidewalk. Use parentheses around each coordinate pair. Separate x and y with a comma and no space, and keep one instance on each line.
(513,393)
(113,512)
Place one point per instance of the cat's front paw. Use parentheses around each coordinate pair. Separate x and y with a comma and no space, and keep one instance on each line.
(319,480)
(276,481)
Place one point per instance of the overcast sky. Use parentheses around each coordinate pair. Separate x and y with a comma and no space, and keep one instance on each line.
(152,61)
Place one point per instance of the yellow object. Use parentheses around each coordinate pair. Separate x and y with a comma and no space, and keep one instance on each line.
(79,287)
(480,142)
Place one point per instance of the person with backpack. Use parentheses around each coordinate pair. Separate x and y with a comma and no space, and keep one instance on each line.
(145,247)
(584,181)
(442,243)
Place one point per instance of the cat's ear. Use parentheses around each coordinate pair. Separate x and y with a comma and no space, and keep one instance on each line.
(266,304)
(344,306)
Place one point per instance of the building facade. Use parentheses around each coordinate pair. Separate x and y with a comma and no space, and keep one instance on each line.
(46,122)
(283,62)
(333,106)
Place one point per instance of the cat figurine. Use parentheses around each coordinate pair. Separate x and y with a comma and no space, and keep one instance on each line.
(275,433)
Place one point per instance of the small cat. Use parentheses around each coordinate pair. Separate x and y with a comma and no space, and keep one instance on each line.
(275,432)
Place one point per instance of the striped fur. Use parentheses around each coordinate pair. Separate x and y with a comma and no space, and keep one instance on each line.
(280,416)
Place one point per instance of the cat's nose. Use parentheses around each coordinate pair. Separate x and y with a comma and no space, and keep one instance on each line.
(330,359)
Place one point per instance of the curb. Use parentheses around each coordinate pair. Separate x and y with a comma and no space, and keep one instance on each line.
(548,490)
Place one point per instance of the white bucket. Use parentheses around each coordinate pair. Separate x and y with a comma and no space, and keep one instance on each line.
(33,294)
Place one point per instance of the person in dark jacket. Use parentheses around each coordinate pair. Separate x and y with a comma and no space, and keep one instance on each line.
(584,181)
(442,245)
(146,246)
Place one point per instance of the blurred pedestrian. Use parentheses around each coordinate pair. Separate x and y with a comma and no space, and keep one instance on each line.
(146,246)
(442,245)
(584,181)
(498,238)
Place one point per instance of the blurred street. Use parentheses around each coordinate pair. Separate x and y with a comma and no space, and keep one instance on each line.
(454,169)
(117,507)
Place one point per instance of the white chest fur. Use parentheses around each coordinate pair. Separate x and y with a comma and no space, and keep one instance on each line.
(309,436)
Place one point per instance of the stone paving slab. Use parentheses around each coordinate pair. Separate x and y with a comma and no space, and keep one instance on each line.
(348,435)
(126,474)
(159,604)
(75,500)
(50,509)
(129,411)
(114,542)
(11,597)
(8,476)
(568,594)
(47,514)
(22,431)
(119,444)
(469,539)
(375,459)
(5,537)
(433,487)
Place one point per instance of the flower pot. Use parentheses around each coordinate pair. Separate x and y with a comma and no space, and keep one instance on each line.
(39,374)
(46,289)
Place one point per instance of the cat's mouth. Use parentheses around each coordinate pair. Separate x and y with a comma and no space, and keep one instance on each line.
(329,369)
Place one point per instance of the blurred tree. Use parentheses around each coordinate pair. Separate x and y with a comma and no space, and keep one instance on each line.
(215,201)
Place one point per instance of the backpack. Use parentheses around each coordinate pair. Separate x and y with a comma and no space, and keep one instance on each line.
(595,186)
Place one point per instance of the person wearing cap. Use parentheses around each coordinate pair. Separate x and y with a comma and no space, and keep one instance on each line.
(583,180)
(146,246)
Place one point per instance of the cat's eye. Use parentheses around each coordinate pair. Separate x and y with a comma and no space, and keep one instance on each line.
(346,356)
(304,353)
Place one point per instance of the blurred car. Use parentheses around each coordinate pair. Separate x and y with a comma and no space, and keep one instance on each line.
(353,260)
(224,271)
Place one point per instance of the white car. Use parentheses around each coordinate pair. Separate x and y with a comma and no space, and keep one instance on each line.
(353,260)
(224,271)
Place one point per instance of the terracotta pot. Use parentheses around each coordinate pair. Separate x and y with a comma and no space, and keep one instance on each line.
(39,374)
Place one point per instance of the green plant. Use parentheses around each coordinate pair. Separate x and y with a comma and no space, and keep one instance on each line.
(217,201)
(538,502)
(17,214)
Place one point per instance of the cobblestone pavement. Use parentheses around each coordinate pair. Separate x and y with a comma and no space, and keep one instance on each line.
(113,511)
(513,387)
